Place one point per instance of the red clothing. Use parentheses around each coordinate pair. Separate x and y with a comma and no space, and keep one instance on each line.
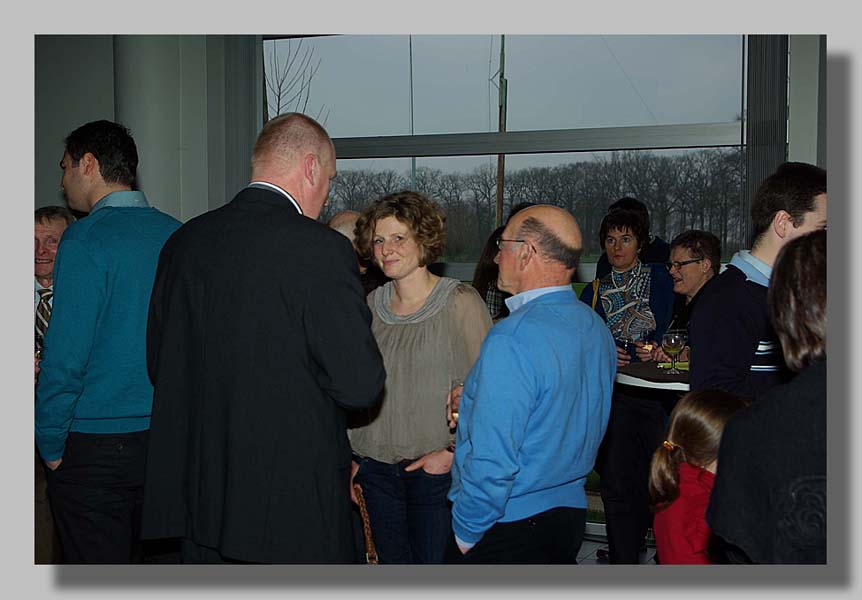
(681,532)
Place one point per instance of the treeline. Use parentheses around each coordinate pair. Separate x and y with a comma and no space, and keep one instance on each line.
(694,190)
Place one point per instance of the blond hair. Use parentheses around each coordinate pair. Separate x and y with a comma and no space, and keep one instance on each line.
(287,137)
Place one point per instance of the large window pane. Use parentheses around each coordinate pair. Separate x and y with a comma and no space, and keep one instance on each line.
(568,81)
(362,85)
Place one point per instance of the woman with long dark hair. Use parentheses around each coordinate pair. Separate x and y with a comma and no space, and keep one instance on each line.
(769,499)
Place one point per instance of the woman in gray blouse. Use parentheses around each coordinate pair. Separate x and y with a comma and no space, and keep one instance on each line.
(429,330)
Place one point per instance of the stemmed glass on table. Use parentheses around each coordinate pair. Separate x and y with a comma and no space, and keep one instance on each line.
(672,342)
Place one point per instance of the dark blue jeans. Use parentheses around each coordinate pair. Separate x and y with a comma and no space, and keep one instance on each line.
(410,516)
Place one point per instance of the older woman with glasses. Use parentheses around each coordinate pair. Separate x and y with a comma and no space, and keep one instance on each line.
(429,330)
(695,258)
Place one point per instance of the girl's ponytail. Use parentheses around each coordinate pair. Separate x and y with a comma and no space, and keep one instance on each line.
(664,474)
(693,436)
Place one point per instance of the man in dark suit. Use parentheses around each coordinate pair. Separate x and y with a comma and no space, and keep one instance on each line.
(258,342)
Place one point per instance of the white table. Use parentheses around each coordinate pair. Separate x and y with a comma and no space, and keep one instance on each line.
(647,375)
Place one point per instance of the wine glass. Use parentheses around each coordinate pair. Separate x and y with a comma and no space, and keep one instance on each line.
(455,390)
(672,343)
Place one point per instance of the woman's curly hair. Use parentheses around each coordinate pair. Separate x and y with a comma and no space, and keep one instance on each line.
(426,221)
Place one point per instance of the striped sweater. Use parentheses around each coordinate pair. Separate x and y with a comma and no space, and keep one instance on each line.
(734,347)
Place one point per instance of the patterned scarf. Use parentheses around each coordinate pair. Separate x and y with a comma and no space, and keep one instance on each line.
(625,299)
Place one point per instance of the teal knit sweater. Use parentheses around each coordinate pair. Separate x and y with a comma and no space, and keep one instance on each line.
(93,375)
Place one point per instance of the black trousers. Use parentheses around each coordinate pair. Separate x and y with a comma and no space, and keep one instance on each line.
(195,554)
(550,537)
(96,496)
(46,542)
(635,429)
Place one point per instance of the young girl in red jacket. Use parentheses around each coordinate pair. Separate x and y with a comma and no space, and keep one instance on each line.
(682,474)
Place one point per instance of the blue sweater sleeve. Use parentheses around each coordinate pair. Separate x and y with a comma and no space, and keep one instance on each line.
(79,296)
(498,419)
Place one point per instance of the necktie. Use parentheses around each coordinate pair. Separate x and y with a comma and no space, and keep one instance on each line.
(43,312)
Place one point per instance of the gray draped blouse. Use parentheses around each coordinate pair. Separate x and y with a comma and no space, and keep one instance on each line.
(422,353)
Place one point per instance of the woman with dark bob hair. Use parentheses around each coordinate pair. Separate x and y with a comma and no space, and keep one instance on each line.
(429,330)
(769,499)
(635,300)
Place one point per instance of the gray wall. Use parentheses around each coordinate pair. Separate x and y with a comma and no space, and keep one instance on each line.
(193,104)
(806,129)
(68,93)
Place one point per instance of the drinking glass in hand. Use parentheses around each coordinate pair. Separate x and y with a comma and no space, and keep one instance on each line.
(453,401)
(672,343)
(628,346)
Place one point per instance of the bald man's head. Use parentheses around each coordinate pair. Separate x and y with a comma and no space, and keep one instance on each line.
(288,137)
(553,231)
(344,222)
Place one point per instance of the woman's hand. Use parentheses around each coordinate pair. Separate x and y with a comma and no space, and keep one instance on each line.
(644,351)
(437,462)
(623,357)
(659,355)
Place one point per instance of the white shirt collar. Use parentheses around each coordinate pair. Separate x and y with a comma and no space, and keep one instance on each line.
(275,188)
(518,300)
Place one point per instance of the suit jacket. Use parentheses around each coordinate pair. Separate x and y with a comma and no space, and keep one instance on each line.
(258,341)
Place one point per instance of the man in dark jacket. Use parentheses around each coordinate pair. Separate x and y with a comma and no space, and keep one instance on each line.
(258,342)
(733,344)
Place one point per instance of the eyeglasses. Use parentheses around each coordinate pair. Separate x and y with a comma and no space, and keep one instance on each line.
(680,264)
(501,240)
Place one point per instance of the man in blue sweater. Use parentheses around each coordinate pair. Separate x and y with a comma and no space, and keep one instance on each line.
(94,397)
(534,407)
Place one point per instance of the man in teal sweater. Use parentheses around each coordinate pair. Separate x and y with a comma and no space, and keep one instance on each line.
(534,407)
(94,397)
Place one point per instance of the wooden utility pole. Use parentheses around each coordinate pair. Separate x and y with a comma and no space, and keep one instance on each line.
(501,104)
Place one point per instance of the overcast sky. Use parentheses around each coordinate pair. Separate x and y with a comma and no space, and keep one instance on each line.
(362,86)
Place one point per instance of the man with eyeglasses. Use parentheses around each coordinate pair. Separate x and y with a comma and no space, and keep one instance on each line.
(734,347)
(94,397)
(495,298)
(534,407)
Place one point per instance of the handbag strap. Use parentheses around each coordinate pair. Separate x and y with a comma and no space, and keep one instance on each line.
(370,548)
(595,292)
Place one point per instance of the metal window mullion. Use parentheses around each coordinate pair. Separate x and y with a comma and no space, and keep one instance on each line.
(766,131)
(650,137)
